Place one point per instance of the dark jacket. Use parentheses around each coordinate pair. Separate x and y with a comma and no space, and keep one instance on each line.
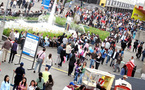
(59,49)
(116,56)
(72,60)
(7,45)
(48,85)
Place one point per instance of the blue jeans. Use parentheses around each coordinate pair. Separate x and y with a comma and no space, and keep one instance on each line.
(80,79)
(92,61)
(108,59)
(76,76)
(39,62)
(142,58)
(48,67)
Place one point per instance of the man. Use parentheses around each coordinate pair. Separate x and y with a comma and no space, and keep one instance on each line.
(139,51)
(65,40)
(12,36)
(68,51)
(40,60)
(115,55)
(70,86)
(20,73)
(45,74)
(93,58)
(6,46)
(143,55)
(110,52)
(107,46)
(118,62)
(135,45)
(59,49)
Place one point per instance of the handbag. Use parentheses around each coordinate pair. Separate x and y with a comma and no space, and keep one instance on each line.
(37,56)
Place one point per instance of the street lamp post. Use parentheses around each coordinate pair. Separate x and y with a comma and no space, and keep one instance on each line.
(3,22)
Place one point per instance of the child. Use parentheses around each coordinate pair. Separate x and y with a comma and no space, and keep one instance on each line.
(49,61)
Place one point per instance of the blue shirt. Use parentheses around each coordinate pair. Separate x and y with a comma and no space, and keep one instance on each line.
(110,52)
(102,51)
(104,55)
(5,86)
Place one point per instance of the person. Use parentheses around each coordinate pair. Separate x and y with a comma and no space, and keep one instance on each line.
(65,40)
(118,62)
(98,60)
(143,55)
(69,87)
(114,56)
(5,85)
(20,73)
(32,85)
(40,81)
(47,41)
(77,71)
(23,84)
(135,45)
(13,51)
(124,77)
(110,52)
(82,71)
(40,60)
(123,70)
(59,50)
(68,51)
(49,84)
(12,36)
(71,64)
(93,58)
(45,74)
(62,56)
(16,35)
(5,48)
(49,62)
(103,57)
(139,51)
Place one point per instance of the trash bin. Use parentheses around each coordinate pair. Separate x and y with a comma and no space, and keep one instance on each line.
(130,66)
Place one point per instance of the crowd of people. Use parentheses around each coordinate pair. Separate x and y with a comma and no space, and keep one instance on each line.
(77,49)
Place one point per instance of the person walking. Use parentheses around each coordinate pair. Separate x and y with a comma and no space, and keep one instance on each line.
(45,75)
(13,51)
(114,56)
(82,71)
(139,51)
(135,45)
(77,71)
(68,51)
(118,62)
(59,50)
(49,61)
(49,84)
(20,73)
(62,56)
(41,56)
(40,81)
(93,58)
(98,60)
(123,70)
(71,64)
(5,48)
(110,52)
(12,36)
(5,85)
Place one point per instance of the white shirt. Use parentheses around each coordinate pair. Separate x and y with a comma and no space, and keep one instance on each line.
(107,45)
(16,35)
(65,41)
(31,88)
(68,49)
(49,61)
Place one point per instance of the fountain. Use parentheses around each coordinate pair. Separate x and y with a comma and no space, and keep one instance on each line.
(40,26)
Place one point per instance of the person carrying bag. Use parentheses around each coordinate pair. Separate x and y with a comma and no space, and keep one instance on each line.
(40,59)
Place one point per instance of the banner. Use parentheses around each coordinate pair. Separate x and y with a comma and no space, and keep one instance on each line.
(46,3)
(138,14)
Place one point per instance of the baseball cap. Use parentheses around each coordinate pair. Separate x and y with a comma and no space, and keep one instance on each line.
(21,63)
(125,76)
(71,83)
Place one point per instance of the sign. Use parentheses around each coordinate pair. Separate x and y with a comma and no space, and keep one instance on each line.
(46,3)
(114,3)
(30,46)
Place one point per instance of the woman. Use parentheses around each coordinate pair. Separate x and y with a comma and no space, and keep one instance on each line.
(32,85)
(40,81)
(5,84)
(49,62)
(77,71)
(98,60)
(82,71)
(13,51)
(23,84)
(71,64)
(49,83)
(123,70)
